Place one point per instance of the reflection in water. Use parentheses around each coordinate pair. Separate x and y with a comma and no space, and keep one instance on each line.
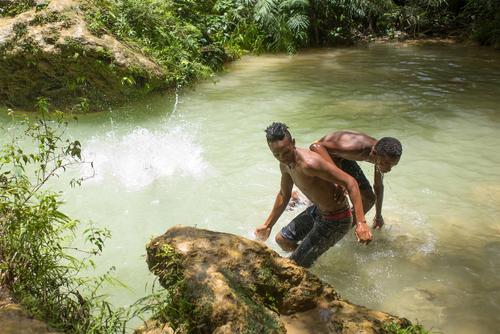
(436,260)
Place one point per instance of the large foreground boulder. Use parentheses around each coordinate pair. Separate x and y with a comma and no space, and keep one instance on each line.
(222,283)
(49,51)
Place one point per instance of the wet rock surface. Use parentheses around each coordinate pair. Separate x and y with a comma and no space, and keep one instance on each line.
(235,285)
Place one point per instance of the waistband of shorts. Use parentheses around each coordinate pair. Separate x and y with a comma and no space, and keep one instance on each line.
(337,215)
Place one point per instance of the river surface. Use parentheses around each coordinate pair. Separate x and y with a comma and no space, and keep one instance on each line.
(200,158)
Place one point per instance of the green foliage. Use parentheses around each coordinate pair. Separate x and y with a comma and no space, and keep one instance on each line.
(20,30)
(424,16)
(488,33)
(13,8)
(483,16)
(169,305)
(333,21)
(374,15)
(285,23)
(37,261)
(152,26)
(394,328)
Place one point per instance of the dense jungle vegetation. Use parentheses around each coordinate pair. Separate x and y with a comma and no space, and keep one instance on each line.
(192,38)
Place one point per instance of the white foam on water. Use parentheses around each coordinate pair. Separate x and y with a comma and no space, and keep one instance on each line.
(142,156)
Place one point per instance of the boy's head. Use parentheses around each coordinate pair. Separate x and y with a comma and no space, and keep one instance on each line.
(388,151)
(280,142)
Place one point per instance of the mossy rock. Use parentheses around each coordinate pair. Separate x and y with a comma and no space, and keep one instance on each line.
(49,52)
(229,284)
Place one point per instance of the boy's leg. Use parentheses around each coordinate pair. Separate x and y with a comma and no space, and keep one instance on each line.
(290,235)
(322,236)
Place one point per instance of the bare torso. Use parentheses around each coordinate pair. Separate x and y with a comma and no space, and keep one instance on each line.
(319,191)
(349,145)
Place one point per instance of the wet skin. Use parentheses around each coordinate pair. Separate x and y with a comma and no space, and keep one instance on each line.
(319,180)
(357,146)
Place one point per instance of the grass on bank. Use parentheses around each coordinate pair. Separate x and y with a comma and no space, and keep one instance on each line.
(10,8)
(394,328)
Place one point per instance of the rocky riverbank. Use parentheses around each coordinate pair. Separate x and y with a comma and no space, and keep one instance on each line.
(229,284)
(50,52)
(222,283)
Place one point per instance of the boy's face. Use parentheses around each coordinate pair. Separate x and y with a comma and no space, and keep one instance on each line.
(283,150)
(384,163)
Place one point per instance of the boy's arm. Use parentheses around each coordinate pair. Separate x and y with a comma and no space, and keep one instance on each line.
(262,232)
(328,171)
(320,148)
(378,186)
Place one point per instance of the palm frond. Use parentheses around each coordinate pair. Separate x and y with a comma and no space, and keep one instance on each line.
(265,11)
(298,23)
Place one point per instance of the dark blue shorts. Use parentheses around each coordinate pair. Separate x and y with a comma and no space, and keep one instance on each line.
(352,168)
(315,234)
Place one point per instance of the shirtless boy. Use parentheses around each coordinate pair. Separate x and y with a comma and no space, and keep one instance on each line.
(323,224)
(347,147)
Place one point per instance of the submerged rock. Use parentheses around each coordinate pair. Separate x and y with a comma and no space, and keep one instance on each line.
(49,51)
(222,283)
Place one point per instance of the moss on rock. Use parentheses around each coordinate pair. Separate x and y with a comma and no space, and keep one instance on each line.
(234,285)
(51,53)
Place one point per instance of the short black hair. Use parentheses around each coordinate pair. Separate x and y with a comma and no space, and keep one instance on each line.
(277,131)
(389,146)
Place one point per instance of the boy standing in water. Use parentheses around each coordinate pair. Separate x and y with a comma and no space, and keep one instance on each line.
(344,148)
(324,223)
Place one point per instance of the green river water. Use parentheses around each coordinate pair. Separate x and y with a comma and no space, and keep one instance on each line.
(201,159)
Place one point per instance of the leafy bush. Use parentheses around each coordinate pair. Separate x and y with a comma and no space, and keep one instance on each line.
(152,26)
(483,17)
(36,238)
(488,33)
(284,23)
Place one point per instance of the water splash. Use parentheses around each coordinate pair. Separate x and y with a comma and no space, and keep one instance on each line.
(142,156)
(176,102)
